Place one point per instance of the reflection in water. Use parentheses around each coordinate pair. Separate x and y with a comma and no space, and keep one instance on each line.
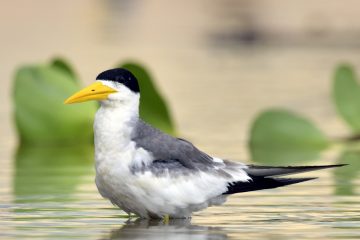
(345,177)
(50,170)
(157,229)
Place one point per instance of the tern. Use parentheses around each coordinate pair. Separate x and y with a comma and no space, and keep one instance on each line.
(154,175)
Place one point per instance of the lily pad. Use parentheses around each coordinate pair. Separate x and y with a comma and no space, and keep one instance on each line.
(346,95)
(41,117)
(282,137)
(153,107)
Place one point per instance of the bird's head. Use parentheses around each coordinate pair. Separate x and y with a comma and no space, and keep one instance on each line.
(111,86)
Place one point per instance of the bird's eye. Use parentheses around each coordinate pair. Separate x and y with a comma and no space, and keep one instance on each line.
(93,90)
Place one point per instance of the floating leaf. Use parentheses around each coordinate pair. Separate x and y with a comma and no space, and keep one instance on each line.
(281,137)
(41,117)
(153,107)
(346,94)
(346,176)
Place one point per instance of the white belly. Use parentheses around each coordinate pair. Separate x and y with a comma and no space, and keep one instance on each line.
(146,194)
(114,178)
(152,196)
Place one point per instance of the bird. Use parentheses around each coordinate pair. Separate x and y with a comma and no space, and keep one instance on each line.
(153,175)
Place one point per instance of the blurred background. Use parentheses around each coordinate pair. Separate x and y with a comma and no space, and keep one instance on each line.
(218,64)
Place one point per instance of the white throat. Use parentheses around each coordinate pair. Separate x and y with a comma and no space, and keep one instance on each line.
(113,126)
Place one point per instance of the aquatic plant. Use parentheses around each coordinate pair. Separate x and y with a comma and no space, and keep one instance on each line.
(41,118)
(281,136)
(40,115)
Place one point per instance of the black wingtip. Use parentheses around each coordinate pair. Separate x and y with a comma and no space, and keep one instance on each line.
(289,181)
(331,165)
(262,177)
(339,165)
(267,171)
(259,183)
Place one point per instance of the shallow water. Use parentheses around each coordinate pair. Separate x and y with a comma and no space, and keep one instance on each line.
(215,89)
(59,200)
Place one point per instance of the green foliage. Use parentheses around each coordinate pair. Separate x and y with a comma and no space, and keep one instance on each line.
(281,137)
(346,95)
(40,115)
(153,107)
(64,66)
(42,119)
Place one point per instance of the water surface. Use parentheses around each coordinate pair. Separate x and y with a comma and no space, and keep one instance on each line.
(215,86)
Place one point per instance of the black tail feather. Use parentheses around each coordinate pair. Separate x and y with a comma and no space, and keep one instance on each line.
(259,183)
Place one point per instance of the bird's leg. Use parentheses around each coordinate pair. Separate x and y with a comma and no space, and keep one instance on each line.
(166,219)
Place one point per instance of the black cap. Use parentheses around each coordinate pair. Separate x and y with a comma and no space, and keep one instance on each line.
(120,75)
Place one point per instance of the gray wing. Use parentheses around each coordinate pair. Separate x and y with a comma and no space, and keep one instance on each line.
(167,148)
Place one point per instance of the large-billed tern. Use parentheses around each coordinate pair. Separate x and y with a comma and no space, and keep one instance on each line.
(151,174)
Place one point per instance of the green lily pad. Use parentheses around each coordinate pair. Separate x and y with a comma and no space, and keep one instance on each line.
(282,137)
(346,95)
(153,107)
(40,115)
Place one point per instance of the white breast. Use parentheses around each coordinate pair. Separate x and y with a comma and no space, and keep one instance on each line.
(115,153)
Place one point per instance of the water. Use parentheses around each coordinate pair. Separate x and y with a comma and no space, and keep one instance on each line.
(215,87)
(61,201)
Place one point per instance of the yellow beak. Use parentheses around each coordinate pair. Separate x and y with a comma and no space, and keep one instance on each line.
(96,91)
